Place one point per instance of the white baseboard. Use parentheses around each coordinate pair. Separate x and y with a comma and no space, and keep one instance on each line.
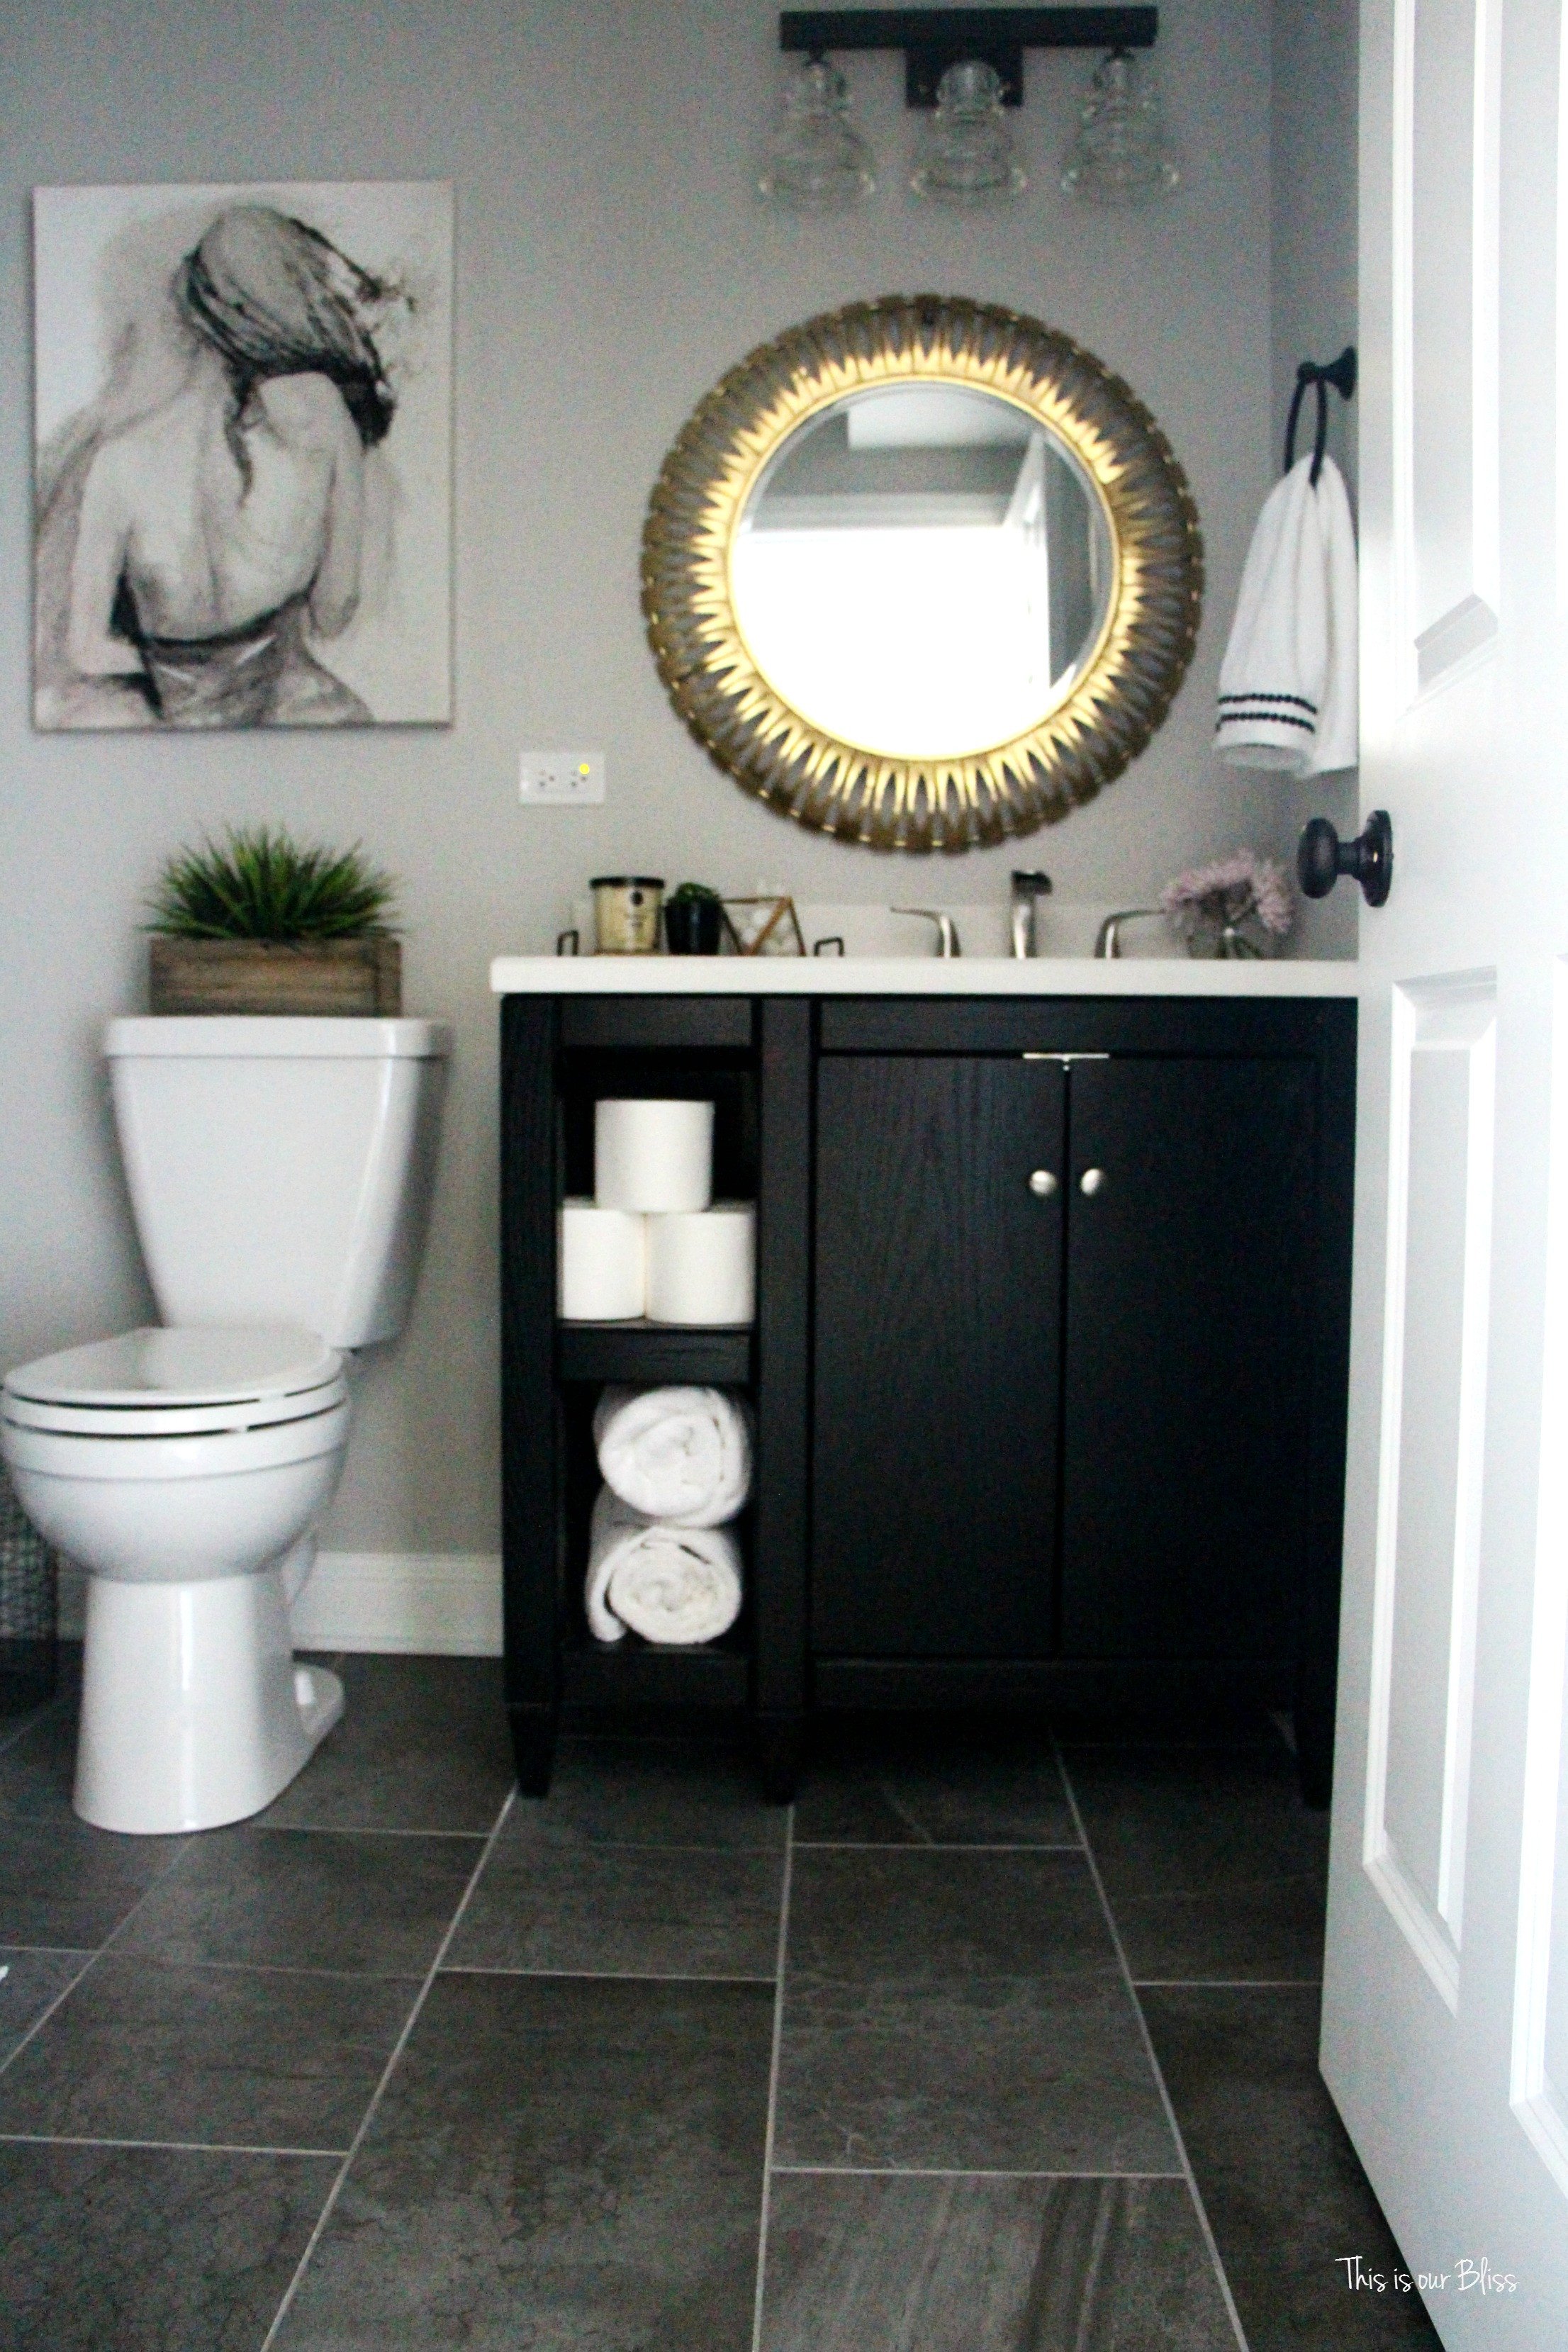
(443,1602)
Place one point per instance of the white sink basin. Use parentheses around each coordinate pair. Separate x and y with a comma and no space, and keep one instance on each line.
(920,975)
(891,954)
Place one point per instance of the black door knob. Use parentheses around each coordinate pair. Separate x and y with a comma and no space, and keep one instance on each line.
(1321,857)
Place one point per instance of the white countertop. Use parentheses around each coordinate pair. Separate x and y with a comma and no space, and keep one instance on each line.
(663,975)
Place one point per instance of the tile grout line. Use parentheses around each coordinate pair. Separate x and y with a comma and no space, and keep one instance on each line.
(162,1959)
(353,1829)
(93,1958)
(580,1847)
(180,2147)
(1227,1984)
(774,2053)
(933,1845)
(955,2173)
(1148,2040)
(605,1976)
(387,2072)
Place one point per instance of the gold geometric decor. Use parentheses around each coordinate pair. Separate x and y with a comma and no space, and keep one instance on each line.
(994,690)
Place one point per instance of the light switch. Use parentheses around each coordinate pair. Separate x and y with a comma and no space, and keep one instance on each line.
(562,779)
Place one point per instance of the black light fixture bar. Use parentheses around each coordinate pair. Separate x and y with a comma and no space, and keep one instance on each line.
(934,38)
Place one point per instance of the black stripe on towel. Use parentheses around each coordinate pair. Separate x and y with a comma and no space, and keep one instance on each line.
(1300,700)
(1266,718)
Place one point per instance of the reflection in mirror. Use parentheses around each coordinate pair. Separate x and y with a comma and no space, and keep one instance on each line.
(923,570)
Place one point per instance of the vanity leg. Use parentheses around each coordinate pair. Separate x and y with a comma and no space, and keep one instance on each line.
(533,1746)
(780,1552)
(1314,1727)
(1316,1676)
(531,1435)
(778,1749)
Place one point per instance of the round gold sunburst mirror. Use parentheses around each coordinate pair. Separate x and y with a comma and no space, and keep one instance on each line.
(922,573)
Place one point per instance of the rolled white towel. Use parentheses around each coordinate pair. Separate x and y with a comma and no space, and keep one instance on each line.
(676,1453)
(672,1585)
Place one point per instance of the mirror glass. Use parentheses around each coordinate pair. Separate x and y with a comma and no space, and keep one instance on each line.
(923,570)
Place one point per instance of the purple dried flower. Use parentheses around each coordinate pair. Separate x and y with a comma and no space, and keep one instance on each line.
(1230,890)
(1272,901)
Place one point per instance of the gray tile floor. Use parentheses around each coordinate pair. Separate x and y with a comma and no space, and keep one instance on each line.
(984,2046)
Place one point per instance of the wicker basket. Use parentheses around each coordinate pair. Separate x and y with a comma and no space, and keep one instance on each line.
(29,1603)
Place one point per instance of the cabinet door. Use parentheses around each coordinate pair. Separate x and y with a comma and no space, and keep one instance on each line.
(1186,1370)
(937,1295)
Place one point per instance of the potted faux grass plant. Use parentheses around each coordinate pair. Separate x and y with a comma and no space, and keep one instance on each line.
(257,923)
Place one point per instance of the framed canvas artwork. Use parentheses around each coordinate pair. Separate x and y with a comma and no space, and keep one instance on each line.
(243,495)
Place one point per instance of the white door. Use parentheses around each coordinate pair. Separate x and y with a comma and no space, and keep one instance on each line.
(1446,1994)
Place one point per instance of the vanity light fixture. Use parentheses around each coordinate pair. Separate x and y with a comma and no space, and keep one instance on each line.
(964,65)
(964,154)
(818,161)
(1119,153)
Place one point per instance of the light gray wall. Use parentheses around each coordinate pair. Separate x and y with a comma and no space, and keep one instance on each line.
(611,265)
(1314,279)
(1314,207)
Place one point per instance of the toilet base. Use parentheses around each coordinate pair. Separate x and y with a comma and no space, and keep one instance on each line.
(193,1711)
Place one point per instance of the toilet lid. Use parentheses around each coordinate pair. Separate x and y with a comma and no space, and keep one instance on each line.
(168,1382)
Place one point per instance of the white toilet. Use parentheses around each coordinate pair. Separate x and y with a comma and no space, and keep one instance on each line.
(280,1174)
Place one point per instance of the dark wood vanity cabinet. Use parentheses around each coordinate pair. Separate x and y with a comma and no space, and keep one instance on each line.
(1188,1357)
(937,1357)
(1049,1364)
(1062,1357)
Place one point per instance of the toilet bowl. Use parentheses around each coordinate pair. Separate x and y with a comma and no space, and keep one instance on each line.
(183,1470)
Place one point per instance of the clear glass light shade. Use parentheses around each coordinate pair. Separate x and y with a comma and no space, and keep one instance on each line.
(966,153)
(818,161)
(1119,153)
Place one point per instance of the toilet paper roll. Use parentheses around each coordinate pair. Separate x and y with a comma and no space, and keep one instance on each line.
(601,1264)
(702,1268)
(652,1155)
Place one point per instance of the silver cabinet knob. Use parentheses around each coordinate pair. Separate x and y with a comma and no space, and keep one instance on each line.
(1090,1181)
(1042,1183)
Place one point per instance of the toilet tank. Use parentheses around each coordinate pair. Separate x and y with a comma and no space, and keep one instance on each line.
(281,1170)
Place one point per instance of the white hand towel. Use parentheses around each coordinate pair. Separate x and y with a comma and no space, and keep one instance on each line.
(1288,683)
(676,1453)
(669,1584)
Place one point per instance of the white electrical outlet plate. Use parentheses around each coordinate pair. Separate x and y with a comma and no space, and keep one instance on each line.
(562,779)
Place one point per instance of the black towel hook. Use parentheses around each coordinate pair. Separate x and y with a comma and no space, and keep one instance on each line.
(1342,374)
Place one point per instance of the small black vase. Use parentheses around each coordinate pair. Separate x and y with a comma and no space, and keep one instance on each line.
(692,926)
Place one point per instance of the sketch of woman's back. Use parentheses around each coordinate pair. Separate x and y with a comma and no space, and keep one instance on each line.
(224,527)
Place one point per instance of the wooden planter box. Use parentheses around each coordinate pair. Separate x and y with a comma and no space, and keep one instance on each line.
(325,976)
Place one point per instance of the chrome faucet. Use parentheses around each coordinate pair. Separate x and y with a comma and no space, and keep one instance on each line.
(1108,941)
(947,939)
(1028,889)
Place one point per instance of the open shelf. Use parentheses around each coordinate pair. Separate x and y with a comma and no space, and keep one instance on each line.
(654,1351)
(752,1060)
(633,1673)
